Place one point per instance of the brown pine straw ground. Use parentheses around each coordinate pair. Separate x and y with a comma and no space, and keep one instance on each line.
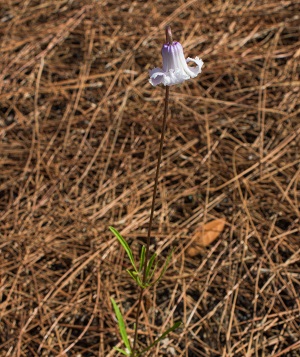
(80,128)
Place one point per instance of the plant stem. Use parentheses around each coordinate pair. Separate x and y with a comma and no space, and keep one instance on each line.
(156,178)
(151,217)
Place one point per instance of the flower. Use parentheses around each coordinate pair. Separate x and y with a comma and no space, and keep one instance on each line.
(175,69)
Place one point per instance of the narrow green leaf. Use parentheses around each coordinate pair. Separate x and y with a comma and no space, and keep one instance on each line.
(124,245)
(165,266)
(136,278)
(174,327)
(142,258)
(140,282)
(121,351)
(131,273)
(121,324)
(151,273)
(151,261)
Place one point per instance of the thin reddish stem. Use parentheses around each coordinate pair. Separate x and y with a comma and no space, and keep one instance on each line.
(151,217)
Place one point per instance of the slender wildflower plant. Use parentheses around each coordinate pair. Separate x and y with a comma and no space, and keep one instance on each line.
(175,71)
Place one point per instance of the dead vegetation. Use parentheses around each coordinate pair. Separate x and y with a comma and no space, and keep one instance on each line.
(79,126)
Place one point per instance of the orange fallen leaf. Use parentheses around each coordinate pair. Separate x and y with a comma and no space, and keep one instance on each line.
(205,235)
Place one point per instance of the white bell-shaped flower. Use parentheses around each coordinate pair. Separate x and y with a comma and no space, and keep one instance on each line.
(175,69)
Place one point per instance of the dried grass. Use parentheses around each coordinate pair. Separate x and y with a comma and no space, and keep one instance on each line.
(79,133)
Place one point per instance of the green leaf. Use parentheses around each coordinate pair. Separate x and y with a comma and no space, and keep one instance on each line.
(151,273)
(136,278)
(151,261)
(124,245)
(142,258)
(140,282)
(174,327)
(131,273)
(121,324)
(165,266)
(121,351)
